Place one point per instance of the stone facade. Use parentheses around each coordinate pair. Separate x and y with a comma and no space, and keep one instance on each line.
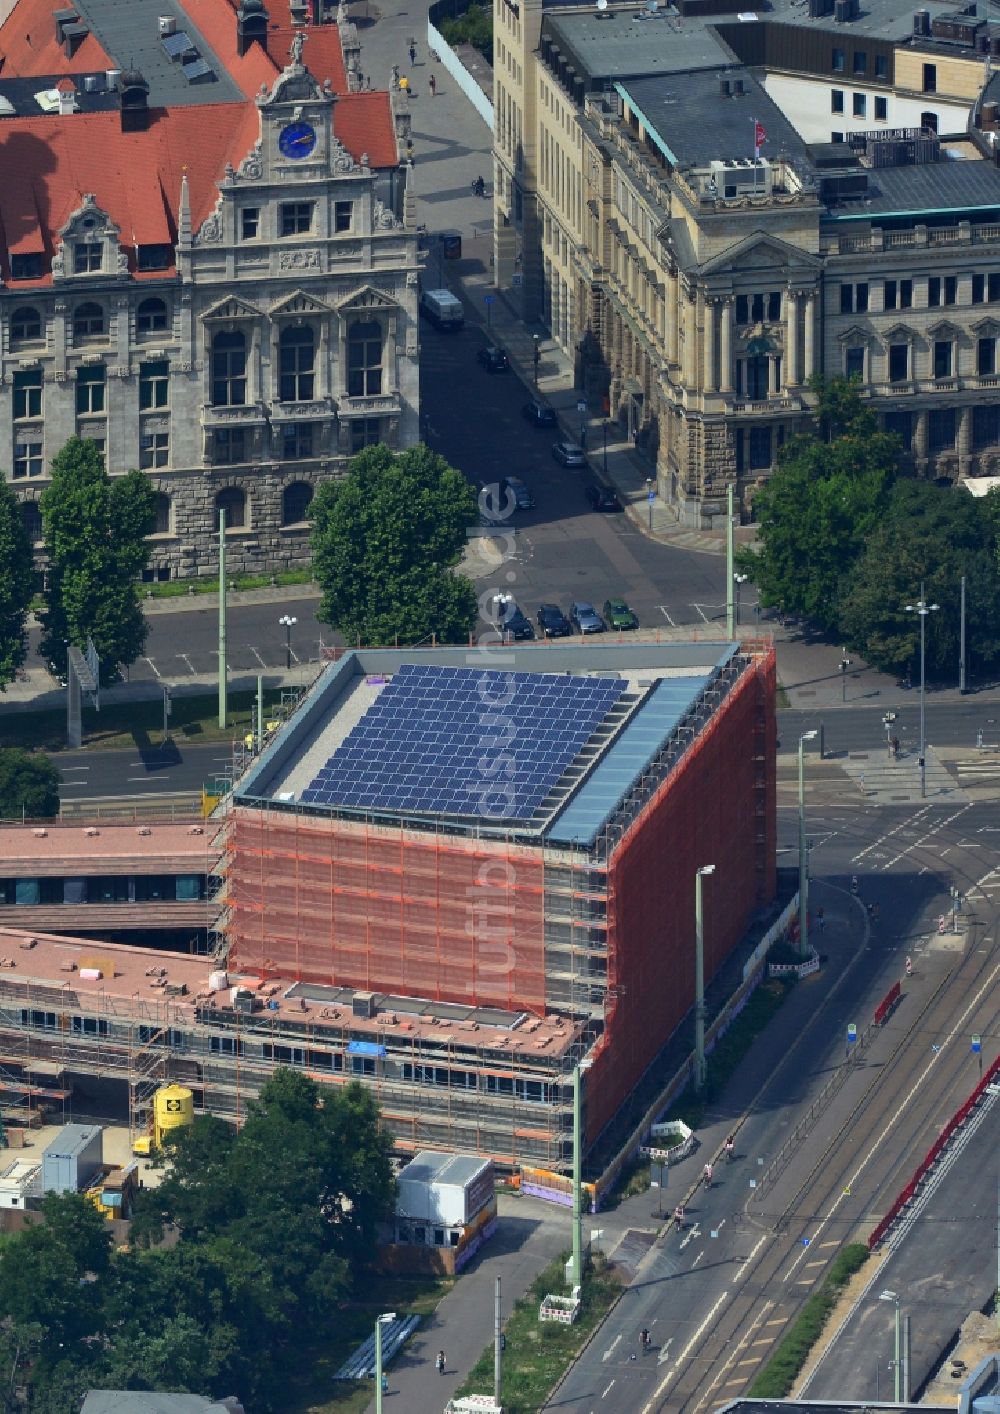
(282,341)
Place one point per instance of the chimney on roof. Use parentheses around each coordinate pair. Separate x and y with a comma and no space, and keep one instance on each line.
(251,25)
(317,12)
(66,90)
(133,99)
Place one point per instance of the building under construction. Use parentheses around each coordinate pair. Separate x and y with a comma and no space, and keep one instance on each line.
(451,875)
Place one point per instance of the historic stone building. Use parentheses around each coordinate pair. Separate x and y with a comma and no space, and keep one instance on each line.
(701,284)
(214,281)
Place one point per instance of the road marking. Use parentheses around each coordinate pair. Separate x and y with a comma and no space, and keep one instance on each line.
(188,662)
(651,1404)
(611,1348)
(923,839)
(739,1274)
(889,834)
(833,1242)
(663,611)
(939,1051)
(690,1237)
(607,1391)
(260,660)
(697,1259)
(64,769)
(664,1351)
(147,777)
(747,1360)
(153,666)
(295,656)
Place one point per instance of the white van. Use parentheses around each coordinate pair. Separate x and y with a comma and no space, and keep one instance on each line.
(442,308)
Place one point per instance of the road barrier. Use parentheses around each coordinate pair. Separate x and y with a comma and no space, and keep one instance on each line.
(930,1158)
(888,1003)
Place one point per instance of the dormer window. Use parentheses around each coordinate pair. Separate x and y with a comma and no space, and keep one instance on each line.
(155,257)
(88,257)
(26,267)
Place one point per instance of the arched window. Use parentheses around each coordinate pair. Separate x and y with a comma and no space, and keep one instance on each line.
(88,321)
(31,517)
(929,122)
(229,369)
(364,359)
(232,501)
(25,325)
(151,316)
(297,361)
(163,509)
(295,502)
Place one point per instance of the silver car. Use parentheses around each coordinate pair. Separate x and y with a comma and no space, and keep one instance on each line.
(586,619)
(569,454)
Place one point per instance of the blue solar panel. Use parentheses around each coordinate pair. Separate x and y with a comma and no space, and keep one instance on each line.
(460,741)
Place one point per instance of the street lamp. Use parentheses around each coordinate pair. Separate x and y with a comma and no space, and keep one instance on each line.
(288,622)
(922,608)
(897,1368)
(699,980)
(887,720)
(650,483)
(605,428)
(738,579)
(578,1070)
(803,854)
(385,1319)
(536,354)
(845,663)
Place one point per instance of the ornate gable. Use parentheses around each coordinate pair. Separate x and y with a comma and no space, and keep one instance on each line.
(761,252)
(899,334)
(367,298)
(944,329)
(854,336)
(298,302)
(90,225)
(232,308)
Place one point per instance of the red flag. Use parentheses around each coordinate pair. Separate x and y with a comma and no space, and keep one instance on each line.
(759,137)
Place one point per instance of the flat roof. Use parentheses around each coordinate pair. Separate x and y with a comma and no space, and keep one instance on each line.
(96,846)
(613,777)
(620,675)
(131,33)
(697,124)
(956,185)
(433,1166)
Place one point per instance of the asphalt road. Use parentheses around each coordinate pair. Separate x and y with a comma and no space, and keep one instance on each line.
(718,1297)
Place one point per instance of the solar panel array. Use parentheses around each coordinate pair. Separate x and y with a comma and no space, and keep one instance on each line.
(460,741)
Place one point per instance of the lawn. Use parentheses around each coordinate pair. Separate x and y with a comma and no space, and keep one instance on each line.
(536,1354)
(140,724)
(312,1388)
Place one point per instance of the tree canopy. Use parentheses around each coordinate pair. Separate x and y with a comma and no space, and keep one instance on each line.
(846,542)
(15,585)
(273,1228)
(385,542)
(95,539)
(29,785)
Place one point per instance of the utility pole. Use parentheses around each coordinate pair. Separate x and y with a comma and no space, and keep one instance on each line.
(497,1346)
(699,980)
(578,1070)
(730,565)
(961,642)
(803,851)
(922,609)
(260,710)
(223,683)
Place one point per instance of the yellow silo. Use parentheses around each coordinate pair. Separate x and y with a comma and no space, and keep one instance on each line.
(173,1108)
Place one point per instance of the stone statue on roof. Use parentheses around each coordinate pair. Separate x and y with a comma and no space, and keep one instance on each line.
(298,43)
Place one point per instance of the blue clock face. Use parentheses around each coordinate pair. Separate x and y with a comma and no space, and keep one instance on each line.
(297,140)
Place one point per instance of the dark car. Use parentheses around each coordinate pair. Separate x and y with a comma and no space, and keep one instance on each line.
(585,618)
(521,492)
(569,454)
(515,624)
(553,622)
(603,498)
(538,414)
(619,615)
(494,360)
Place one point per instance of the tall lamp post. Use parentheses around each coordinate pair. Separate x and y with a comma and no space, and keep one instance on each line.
(922,608)
(288,622)
(738,579)
(385,1319)
(845,663)
(605,429)
(803,852)
(578,1071)
(536,356)
(700,1073)
(897,1368)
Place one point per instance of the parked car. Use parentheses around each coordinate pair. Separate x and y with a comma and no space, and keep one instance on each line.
(619,615)
(553,622)
(585,618)
(515,624)
(603,498)
(494,360)
(538,414)
(522,493)
(569,454)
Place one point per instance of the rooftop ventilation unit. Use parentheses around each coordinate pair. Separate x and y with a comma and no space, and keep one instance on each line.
(166,26)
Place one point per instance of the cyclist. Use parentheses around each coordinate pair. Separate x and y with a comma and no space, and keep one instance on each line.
(707,1175)
(730,1147)
(644,1339)
(854,884)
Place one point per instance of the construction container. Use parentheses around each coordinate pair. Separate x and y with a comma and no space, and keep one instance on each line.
(444,1189)
(73,1159)
(173,1108)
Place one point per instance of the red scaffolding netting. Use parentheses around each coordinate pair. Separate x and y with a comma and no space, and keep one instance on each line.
(384,909)
(716,807)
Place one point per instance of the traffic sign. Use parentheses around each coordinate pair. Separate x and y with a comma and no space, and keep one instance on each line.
(652,497)
(581,405)
(977,1045)
(489,299)
(852,1033)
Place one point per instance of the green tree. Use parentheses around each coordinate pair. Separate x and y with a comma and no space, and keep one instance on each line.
(95,538)
(29,785)
(15,585)
(815,514)
(934,535)
(385,540)
(475,27)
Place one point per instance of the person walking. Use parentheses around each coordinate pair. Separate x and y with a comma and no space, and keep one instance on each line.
(413,53)
(644,1339)
(730,1147)
(707,1175)
(821,918)
(432,84)
(395,75)
(440,1362)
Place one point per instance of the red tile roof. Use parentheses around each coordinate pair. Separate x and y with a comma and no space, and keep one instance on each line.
(216,22)
(29,49)
(322,55)
(49,163)
(363,122)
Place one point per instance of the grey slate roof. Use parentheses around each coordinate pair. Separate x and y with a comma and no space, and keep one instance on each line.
(615,43)
(938,186)
(129,32)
